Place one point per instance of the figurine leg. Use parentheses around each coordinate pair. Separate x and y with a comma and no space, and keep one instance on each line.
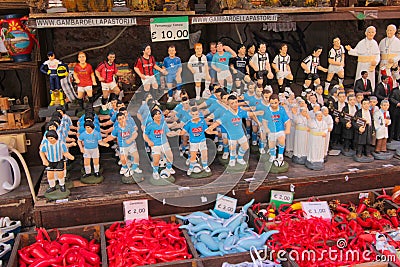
(52,99)
(383,145)
(51,180)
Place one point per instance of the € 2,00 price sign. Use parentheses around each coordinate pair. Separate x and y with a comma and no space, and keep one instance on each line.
(169,29)
(225,206)
(136,210)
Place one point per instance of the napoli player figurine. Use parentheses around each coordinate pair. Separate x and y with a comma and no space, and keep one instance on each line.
(173,66)
(49,67)
(52,152)
(89,142)
(196,128)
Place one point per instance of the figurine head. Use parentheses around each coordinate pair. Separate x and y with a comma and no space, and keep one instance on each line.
(319,90)
(364,74)
(233,102)
(213,47)
(51,125)
(171,51)
(373,101)
(224,97)
(325,111)
(385,79)
(359,97)
(283,49)
(111,57)
(241,49)
(52,136)
(89,126)
(303,111)
(316,108)
(51,55)
(336,42)
(220,47)
(251,87)
(121,118)
(146,50)
(251,49)
(156,115)
(391,30)
(385,105)
(274,102)
(82,57)
(267,94)
(341,97)
(61,110)
(317,51)
(262,48)
(365,104)
(313,99)
(259,91)
(198,49)
(194,112)
(319,116)
(370,32)
(351,100)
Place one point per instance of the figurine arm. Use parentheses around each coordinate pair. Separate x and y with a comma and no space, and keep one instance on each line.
(80,144)
(253,65)
(288,123)
(210,129)
(76,78)
(44,158)
(101,79)
(230,50)
(68,155)
(93,78)
(305,68)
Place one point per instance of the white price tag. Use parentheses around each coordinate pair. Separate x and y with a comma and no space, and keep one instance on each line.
(169,28)
(316,209)
(282,196)
(363,195)
(136,210)
(225,206)
(353,169)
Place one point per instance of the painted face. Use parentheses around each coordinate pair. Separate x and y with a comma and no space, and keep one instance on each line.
(274,103)
(198,50)
(319,90)
(89,129)
(251,88)
(147,50)
(390,31)
(220,47)
(304,112)
(359,98)
(342,97)
(213,48)
(325,112)
(317,53)
(336,42)
(365,105)
(111,58)
(172,51)
(122,120)
(195,114)
(284,50)
(351,101)
(373,102)
(233,104)
(225,99)
(52,140)
(370,34)
(313,99)
(259,91)
(385,106)
(262,49)
(316,108)
(319,117)
(242,50)
(81,58)
(251,50)
(365,75)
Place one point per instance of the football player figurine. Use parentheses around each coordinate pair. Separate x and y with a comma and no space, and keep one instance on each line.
(84,78)
(199,67)
(52,152)
(49,67)
(336,64)
(311,66)
(89,142)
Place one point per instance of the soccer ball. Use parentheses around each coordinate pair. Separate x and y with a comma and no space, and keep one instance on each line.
(162,162)
(164,174)
(197,168)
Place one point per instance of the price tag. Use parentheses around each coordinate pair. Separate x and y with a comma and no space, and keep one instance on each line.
(281,197)
(225,206)
(169,29)
(316,209)
(363,195)
(136,210)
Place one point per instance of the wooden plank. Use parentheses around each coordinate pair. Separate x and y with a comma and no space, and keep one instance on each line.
(110,14)
(278,10)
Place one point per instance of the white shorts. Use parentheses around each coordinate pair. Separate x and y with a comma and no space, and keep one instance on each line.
(199,76)
(240,141)
(91,153)
(149,80)
(194,147)
(128,149)
(108,86)
(334,69)
(223,75)
(84,88)
(282,74)
(158,150)
(274,136)
(254,123)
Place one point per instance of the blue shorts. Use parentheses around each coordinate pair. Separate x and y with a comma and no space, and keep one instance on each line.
(170,78)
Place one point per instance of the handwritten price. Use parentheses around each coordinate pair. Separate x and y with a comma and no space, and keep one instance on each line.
(282,197)
(137,211)
(223,207)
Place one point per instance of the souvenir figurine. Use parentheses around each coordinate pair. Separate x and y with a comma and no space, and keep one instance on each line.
(220,63)
(346,118)
(155,135)
(311,66)
(261,66)
(125,131)
(84,78)
(276,123)
(367,51)
(336,64)
(336,113)
(52,153)
(389,48)
(281,65)
(209,56)
(89,142)
(144,68)
(382,121)
(198,66)
(106,72)
(173,66)
(383,89)
(120,6)
(196,129)
(240,65)
(300,149)
(49,67)
(329,121)
(316,142)
(363,124)
(363,84)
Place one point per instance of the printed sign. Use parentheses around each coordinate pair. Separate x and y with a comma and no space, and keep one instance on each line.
(169,29)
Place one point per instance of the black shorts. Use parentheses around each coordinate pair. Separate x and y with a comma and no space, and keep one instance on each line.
(239,76)
(312,76)
(56,166)
(260,74)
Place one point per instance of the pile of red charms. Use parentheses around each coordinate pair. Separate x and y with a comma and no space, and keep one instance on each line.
(145,242)
(65,250)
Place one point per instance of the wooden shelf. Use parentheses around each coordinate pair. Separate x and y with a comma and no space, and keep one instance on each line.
(18,66)
(278,10)
(13,4)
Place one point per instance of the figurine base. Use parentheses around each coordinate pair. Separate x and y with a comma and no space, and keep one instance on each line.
(162,181)
(349,153)
(92,179)
(200,175)
(55,195)
(120,9)
(277,169)
(69,184)
(56,10)
(92,173)
(382,155)
(394,145)
(315,166)
(237,168)
(363,159)
(223,161)
(133,179)
(288,154)
(299,160)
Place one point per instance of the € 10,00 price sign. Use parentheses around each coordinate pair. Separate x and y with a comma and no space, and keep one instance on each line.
(169,29)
